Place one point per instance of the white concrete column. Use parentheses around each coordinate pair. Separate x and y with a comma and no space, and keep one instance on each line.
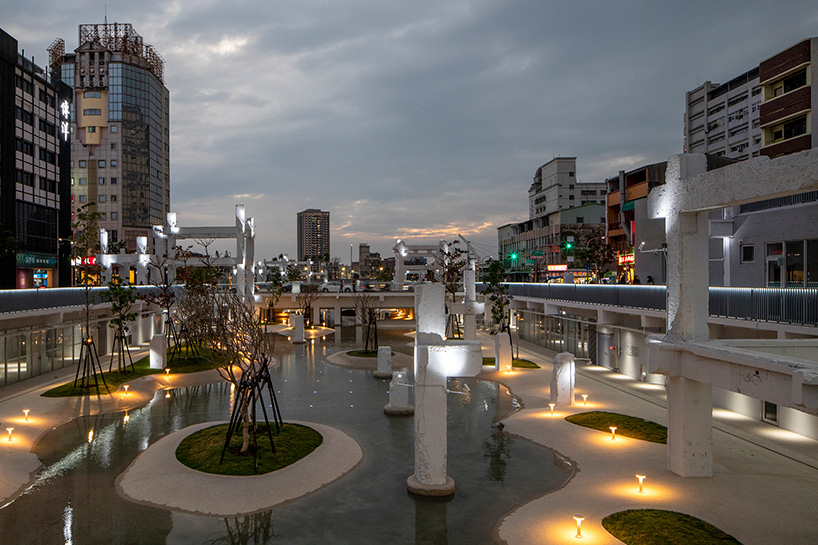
(503,360)
(297,323)
(563,379)
(384,362)
(159,352)
(690,427)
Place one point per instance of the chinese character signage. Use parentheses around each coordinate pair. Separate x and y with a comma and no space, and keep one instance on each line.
(65,111)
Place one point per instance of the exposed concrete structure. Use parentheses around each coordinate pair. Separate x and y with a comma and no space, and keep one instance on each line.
(166,238)
(435,360)
(502,352)
(430,252)
(685,355)
(384,362)
(399,395)
(563,380)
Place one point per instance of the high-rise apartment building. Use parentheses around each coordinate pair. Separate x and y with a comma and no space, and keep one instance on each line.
(764,111)
(35,179)
(313,235)
(121,128)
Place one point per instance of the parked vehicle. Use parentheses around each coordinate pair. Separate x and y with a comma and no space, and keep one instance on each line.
(336,286)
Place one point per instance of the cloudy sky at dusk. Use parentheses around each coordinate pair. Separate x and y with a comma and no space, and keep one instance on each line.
(422,119)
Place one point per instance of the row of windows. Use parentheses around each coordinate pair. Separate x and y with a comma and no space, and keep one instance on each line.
(100,181)
(28,148)
(27,179)
(100,163)
(28,118)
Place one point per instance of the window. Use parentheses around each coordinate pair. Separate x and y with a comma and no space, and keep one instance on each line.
(799,79)
(82,164)
(113,163)
(101,181)
(92,111)
(24,116)
(113,198)
(101,198)
(113,181)
(103,216)
(571,174)
(48,156)
(25,178)
(748,253)
(83,181)
(580,219)
(113,146)
(101,164)
(112,128)
(92,129)
(83,198)
(113,214)
(789,129)
(113,235)
(92,94)
(25,147)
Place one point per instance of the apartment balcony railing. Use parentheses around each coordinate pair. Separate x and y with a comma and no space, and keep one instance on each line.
(797,306)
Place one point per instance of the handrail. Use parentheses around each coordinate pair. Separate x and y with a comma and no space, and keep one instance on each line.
(797,306)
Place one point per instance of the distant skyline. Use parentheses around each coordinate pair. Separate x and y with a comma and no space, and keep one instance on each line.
(419,120)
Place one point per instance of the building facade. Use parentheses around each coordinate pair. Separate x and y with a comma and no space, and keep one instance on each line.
(766,111)
(120,129)
(35,194)
(313,235)
(564,215)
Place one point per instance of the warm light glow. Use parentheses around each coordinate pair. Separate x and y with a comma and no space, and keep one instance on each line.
(579,525)
(552,408)
(641,482)
(90,435)
(167,371)
(10,430)
(167,394)
(25,412)
(126,389)
(613,433)
(126,418)
(585,399)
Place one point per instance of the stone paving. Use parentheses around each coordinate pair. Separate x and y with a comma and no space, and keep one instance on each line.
(763,491)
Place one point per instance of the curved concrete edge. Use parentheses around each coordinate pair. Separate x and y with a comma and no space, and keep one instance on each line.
(158,479)
(436,490)
(341,359)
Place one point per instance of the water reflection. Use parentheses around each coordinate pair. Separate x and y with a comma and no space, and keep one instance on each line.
(74,500)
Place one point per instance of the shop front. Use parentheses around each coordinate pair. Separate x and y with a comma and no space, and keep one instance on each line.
(36,270)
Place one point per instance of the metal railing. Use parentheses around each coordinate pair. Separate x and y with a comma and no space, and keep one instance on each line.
(53,298)
(797,306)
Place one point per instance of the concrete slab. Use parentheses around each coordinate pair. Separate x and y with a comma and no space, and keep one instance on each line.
(157,478)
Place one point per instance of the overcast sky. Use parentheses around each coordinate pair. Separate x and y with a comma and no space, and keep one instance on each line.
(422,119)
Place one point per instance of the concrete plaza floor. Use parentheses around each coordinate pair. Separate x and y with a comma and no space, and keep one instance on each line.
(763,491)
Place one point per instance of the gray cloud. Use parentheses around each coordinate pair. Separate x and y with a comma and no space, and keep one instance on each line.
(417,119)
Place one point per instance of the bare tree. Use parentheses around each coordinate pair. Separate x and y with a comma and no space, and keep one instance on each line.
(450,261)
(304,299)
(240,337)
(197,307)
(366,311)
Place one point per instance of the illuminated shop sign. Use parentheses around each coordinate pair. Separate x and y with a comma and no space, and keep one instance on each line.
(65,110)
(558,267)
(626,259)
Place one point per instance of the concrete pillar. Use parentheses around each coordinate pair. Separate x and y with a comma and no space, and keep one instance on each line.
(563,379)
(502,352)
(384,362)
(337,335)
(690,427)
(297,323)
(399,395)
(103,341)
(435,360)
(159,352)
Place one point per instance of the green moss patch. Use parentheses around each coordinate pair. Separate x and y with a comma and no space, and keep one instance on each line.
(628,426)
(184,362)
(202,450)
(657,527)
(518,363)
